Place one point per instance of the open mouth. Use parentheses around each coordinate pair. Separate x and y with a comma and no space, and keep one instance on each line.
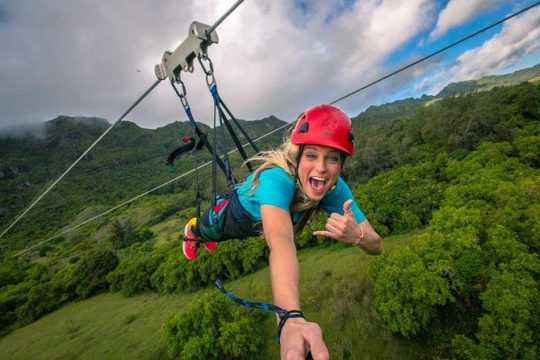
(317,183)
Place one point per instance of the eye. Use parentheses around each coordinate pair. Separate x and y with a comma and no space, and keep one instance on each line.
(311,156)
(333,158)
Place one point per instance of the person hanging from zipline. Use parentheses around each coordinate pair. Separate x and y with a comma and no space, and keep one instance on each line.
(277,200)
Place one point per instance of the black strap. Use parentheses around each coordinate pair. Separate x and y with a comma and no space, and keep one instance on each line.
(284,316)
(231,181)
(238,126)
(223,109)
(235,138)
(200,134)
(180,150)
(221,106)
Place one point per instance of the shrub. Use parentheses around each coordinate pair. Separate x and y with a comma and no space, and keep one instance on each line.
(40,300)
(123,234)
(214,328)
(12,297)
(233,259)
(86,277)
(10,272)
(133,273)
(509,327)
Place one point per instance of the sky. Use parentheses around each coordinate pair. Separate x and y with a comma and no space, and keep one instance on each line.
(274,57)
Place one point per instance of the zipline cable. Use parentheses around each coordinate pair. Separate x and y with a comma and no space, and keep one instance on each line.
(273,131)
(216,24)
(436,52)
(220,20)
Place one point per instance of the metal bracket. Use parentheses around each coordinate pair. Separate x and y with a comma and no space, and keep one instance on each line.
(182,58)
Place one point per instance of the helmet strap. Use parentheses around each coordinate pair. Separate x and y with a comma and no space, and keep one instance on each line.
(300,152)
(343,156)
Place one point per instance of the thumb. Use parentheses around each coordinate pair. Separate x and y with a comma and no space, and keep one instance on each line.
(347,211)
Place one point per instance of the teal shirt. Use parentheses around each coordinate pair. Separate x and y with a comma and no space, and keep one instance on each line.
(276,187)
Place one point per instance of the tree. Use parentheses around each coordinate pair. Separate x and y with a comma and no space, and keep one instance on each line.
(122,234)
(214,328)
(402,199)
(86,277)
(407,291)
(508,328)
(474,268)
(133,273)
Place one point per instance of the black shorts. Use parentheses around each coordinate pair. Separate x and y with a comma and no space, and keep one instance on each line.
(227,220)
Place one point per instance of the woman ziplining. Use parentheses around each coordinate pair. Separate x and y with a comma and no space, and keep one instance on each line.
(277,200)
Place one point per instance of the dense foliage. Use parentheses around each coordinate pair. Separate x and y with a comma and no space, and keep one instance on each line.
(214,328)
(460,172)
(233,259)
(472,275)
(127,162)
(134,271)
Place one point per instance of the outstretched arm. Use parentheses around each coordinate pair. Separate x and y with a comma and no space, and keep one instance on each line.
(298,336)
(345,228)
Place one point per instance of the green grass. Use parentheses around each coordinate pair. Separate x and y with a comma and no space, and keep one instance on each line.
(431,102)
(105,326)
(336,293)
(535,80)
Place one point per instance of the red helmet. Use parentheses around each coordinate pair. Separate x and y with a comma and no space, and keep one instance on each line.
(324,125)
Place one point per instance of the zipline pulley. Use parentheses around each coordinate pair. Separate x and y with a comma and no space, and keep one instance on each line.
(198,40)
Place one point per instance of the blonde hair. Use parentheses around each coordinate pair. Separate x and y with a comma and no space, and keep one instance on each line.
(286,157)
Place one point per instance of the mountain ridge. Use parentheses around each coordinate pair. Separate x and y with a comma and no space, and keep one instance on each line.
(28,164)
(490,81)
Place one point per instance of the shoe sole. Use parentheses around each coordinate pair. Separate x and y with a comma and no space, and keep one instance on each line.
(186,255)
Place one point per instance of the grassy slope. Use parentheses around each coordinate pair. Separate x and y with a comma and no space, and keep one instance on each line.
(334,284)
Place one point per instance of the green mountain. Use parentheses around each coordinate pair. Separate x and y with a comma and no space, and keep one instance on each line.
(127,162)
(489,82)
(395,110)
(402,109)
(130,159)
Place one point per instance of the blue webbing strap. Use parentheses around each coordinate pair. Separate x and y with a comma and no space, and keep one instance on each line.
(282,313)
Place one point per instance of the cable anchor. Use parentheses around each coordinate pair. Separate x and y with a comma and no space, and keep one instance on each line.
(198,40)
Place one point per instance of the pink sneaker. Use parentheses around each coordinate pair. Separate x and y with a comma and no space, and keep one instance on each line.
(189,245)
(211,246)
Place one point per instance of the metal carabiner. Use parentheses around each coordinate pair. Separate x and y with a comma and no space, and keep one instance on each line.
(183,94)
(204,56)
(209,71)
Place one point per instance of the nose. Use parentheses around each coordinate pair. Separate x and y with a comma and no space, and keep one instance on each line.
(320,165)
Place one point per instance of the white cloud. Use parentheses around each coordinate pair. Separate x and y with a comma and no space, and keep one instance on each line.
(458,12)
(518,38)
(294,64)
(76,58)
(274,57)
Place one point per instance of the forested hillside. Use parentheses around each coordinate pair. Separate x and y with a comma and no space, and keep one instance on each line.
(459,175)
(469,282)
(127,162)
(489,82)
